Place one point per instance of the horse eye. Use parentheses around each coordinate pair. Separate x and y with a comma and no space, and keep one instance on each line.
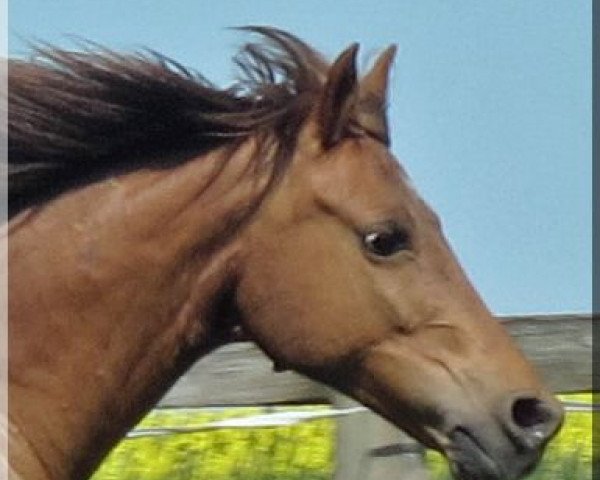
(386,242)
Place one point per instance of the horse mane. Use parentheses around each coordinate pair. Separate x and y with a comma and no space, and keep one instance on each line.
(76,117)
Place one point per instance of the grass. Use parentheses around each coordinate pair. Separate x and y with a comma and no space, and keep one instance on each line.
(300,452)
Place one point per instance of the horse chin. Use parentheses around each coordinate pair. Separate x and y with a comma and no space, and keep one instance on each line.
(469,460)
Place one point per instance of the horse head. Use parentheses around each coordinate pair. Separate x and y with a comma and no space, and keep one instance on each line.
(347,278)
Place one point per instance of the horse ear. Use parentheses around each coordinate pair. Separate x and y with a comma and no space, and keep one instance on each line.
(340,96)
(371,111)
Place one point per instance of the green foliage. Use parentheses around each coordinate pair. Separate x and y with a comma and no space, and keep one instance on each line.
(300,452)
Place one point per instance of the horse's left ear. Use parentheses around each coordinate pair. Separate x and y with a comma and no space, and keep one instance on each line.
(340,96)
(371,109)
(345,101)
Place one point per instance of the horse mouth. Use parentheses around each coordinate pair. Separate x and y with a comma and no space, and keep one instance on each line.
(469,460)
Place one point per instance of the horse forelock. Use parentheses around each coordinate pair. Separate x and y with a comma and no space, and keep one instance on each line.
(76,117)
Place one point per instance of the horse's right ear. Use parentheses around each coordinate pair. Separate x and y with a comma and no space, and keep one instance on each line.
(339,99)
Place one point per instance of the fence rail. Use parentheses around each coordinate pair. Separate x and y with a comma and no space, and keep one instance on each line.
(285,418)
(369,448)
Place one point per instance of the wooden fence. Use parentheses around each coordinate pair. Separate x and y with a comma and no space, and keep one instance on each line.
(369,448)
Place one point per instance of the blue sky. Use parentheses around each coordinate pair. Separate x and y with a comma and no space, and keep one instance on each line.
(490,111)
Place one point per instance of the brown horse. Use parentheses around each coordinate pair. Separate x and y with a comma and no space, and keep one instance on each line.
(152,216)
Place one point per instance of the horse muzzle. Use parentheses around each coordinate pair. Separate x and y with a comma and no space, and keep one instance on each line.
(509,447)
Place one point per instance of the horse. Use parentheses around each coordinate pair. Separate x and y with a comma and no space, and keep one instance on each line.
(154,217)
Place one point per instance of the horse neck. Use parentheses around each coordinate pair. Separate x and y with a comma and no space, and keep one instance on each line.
(114,292)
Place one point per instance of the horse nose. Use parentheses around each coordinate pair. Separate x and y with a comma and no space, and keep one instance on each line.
(532,420)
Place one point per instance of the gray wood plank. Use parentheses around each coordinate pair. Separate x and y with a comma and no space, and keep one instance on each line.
(559,345)
(370,448)
(240,374)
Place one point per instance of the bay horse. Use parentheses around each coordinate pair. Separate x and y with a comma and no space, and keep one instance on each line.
(154,217)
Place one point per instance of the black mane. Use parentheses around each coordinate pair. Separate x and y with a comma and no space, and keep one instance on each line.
(75,117)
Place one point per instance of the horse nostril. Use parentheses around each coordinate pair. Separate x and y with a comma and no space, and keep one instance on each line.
(536,419)
(529,412)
